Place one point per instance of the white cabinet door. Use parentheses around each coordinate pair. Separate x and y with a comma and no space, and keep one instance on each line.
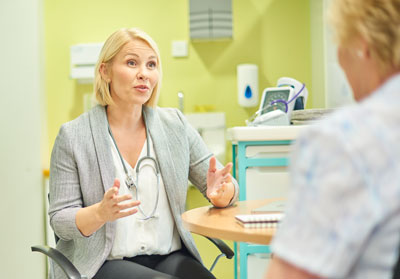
(257,265)
(266,182)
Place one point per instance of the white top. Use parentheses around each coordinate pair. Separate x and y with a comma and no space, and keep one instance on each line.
(155,236)
(264,133)
(343,214)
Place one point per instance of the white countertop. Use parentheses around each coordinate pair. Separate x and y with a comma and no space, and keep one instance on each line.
(262,133)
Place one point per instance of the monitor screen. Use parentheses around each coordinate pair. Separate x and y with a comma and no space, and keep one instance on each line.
(273,94)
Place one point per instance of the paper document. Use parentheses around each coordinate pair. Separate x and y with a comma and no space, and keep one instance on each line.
(273,207)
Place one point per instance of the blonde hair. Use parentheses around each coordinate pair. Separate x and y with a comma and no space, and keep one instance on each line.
(376,21)
(111,47)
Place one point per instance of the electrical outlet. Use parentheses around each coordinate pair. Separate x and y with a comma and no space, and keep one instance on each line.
(179,49)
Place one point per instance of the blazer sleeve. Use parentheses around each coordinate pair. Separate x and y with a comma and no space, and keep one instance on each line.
(199,160)
(65,193)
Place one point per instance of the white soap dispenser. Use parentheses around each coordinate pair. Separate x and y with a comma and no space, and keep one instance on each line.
(247,83)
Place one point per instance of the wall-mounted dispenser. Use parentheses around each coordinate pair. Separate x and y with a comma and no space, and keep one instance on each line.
(210,19)
(247,83)
(83,61)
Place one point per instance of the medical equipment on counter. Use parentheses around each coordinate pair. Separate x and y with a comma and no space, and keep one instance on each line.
(273,118)
(302,95)
(277,103)
(129,178)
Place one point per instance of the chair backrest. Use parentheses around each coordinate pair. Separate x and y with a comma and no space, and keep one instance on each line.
(396,270)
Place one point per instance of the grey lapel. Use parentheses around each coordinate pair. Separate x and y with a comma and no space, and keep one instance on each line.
(163,152)
(162,149)
(98,124)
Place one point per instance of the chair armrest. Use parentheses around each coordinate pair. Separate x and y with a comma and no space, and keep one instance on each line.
(222,247)
(65,264)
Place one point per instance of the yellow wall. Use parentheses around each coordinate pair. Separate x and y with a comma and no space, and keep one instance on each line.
(275,34)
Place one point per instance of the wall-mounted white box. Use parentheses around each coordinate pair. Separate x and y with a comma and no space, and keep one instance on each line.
(211,127)
(83,61)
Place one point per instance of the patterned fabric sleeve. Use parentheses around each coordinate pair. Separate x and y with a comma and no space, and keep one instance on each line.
(330,212)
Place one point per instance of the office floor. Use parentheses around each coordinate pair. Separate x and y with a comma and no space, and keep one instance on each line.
(224,268)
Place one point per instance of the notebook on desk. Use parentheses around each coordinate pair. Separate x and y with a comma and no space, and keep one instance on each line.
(273,207)
(259,220)
(265,216)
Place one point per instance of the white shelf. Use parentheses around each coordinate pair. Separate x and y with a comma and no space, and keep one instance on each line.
(264,133)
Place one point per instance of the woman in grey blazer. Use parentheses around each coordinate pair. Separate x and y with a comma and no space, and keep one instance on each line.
(108,227)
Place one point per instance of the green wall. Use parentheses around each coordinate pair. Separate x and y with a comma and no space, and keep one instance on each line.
(274,34)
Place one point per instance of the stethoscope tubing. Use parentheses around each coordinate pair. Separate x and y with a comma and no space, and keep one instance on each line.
(291,100)
(129,179)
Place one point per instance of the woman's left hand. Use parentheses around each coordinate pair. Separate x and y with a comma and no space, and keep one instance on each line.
(220,188)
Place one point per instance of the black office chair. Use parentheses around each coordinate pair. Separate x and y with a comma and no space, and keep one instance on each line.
(73,273)
(396,269)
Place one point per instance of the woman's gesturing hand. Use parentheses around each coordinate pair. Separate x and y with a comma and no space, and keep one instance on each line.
(220,188)
(113,206)
(110,208)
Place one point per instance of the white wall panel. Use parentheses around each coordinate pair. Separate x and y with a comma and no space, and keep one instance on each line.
(21,206)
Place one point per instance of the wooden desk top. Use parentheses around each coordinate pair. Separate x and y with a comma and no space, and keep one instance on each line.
(221,223)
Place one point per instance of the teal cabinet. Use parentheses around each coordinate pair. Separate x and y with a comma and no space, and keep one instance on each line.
(260,158)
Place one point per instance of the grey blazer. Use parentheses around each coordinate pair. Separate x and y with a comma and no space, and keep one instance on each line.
(82,169)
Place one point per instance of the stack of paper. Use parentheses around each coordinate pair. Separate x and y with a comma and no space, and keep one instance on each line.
(269,220)
(306,116)
(266,216)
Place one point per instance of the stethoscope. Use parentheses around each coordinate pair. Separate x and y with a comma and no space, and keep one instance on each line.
(129,181)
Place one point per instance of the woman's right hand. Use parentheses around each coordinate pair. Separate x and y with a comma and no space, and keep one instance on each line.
(110,208)
(113,206)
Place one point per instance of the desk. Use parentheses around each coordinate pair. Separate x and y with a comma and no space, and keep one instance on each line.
(221,223)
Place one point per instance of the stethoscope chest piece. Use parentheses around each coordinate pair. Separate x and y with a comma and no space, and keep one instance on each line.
(129,182)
